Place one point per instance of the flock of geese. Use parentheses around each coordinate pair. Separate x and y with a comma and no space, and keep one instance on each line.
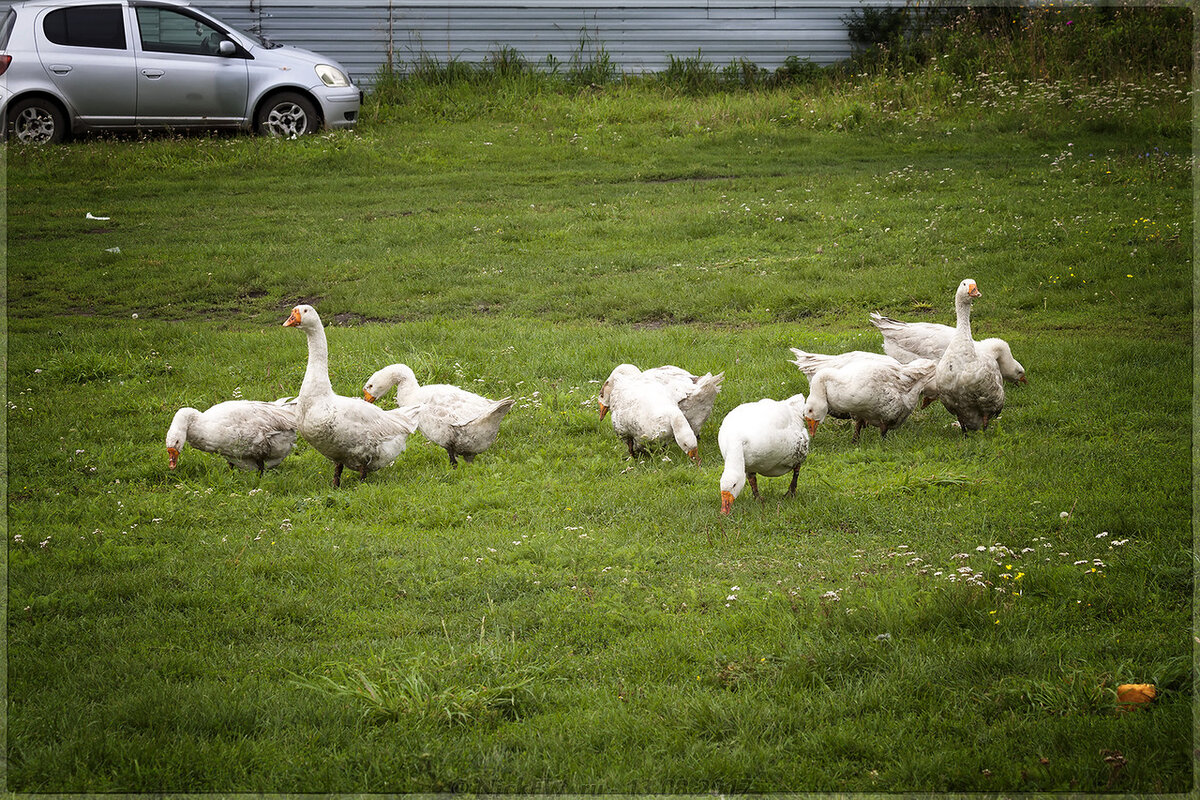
(922,363)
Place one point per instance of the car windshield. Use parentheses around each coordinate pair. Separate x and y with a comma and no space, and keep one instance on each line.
(253,34)
(258,37)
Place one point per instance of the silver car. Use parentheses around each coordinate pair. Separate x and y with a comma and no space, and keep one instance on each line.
(72,65)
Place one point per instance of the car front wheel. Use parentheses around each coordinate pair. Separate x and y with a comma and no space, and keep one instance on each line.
(288,115)
(36,121)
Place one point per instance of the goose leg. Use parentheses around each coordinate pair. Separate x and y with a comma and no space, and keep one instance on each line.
(337,475)
(883,429)
(752,479)
(453,458)
(791,492)
(362,474)
(858,424)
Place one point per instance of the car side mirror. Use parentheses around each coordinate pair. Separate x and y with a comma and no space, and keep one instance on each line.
(226,48)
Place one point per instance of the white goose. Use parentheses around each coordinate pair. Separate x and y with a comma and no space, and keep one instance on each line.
(871,389)
(969,385)
(811,363)
(766,437)
(249,434)
(462,422)
(696,393)
(646,411)
(905,341)
(346,430)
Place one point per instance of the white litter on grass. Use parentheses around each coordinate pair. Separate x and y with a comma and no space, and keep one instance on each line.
(90,215)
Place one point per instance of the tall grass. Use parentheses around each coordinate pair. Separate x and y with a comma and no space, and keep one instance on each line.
(1080,45)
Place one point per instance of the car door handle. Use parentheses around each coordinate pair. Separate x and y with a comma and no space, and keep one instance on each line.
(153,74)
(60,69)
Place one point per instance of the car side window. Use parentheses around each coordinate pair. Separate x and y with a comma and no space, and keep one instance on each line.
(86,26)
(6,28)
(164,30)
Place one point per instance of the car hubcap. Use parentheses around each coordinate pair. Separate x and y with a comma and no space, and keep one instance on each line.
(34,126)
(287,120)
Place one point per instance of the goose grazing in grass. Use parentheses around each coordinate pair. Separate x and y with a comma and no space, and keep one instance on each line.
(812,363)
(696,393)
(249,434)
(646,410)
(766,437)
(969,384)
(346,430)
(462,422)
(905,341)
(870,388)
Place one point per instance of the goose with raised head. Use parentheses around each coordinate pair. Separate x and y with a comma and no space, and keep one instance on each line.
(905,341)
(696,394)
(969,385)
(249,434)
(463,423)
(645,411)
(349,432)
(766,437)
(871,389)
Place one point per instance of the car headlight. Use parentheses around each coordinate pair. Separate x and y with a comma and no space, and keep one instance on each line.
(331,76)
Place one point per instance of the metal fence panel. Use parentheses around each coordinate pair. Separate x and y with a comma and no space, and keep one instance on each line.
(636,37)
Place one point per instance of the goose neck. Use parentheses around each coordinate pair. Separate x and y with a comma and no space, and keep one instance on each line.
(316,375)
(962,306)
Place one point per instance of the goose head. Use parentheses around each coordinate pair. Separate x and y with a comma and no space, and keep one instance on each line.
(685,437)
(817,405)
(1010,368)
(303,316)
(177,434)
(399,376)
(732,483)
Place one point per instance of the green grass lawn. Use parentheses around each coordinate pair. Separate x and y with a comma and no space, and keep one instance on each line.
(936,612)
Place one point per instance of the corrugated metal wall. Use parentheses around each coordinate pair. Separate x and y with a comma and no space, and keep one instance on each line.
(637,37)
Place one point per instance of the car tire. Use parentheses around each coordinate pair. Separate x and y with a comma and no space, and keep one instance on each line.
(287,115)
(35,120)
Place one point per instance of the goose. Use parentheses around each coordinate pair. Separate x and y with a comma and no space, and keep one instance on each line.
(875,390)
(346,430)
(811,363)
(905,341)
(969,385)
(697,393)
(646,411)
(249,434)
(766,437)
(463,423)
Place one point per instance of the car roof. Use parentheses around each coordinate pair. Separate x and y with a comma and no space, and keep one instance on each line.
(68,3)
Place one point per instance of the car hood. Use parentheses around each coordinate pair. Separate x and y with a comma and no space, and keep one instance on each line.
(287,56)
